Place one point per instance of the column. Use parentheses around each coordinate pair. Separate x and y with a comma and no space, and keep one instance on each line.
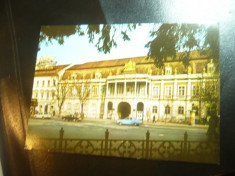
(150,89)
(188,89)
(99,91)
(188,97)
(125,88)
(146,89)
(107,89)
(115,89)
(175,90)
(135,87)
(105,109)
(162,89)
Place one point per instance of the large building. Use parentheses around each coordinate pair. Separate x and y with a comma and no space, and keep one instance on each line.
(124,87)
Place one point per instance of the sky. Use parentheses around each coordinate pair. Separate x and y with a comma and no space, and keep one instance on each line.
(77,49)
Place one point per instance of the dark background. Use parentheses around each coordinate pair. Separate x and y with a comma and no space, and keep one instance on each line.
(19,33)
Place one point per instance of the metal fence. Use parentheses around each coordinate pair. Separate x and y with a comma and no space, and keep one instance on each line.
(184,150)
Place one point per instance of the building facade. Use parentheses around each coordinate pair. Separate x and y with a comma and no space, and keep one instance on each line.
(125,87)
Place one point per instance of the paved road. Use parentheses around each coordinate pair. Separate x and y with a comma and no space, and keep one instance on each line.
(95,129)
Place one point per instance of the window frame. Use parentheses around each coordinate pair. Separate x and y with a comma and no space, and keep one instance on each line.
(167,109)
(195,90)
(181,110)
(154,110)
(180,90)
(157,92)
(167,91)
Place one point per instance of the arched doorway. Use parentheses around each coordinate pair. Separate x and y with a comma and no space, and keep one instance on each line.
(46,109)
(110,110)
(124,110)
(140,111)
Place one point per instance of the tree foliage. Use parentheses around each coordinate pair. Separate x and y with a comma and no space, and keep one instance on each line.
(61,93)
(107,34)
(171,39)
(167,40)
(83,92)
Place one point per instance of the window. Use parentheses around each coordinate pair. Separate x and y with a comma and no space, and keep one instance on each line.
(130,88)
(54,82)
(155,109)
(70,91)
(53,95)
(43,83)
(181,91)
(120,88)
(168,71)
(48,83)
(42,95)
(111,88)
(168,92)
(37,83)
(78,90)
(181,110)
(211,69)
(195,90)
(141,88)
(97,75)
(103,90)
(155,91)
(47,95)
(95,91)
(167,109)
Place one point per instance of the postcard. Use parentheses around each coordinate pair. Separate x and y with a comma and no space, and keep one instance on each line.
(142,91)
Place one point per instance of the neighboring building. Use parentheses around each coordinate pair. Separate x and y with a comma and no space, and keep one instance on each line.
(125,87)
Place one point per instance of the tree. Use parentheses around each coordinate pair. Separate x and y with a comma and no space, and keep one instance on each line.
(167,40)
(207,93)
(171,39)
(106,33)
(83,92)
(61,94)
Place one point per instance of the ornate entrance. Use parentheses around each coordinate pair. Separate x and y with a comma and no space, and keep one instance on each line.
(124,110)
(140,111)
(46,109)
(110,110)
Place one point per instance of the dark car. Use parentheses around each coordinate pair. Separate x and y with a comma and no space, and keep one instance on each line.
(71,118)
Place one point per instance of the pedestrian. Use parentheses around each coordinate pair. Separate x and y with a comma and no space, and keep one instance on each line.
(153,118)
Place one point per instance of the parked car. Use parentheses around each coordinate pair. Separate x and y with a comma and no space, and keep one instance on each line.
(71,118)
(47,116)
(129,121)
(42,116)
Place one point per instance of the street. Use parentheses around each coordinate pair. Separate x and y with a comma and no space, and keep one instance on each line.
(95,129)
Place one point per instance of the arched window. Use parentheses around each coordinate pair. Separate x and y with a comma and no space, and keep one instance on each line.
(47,95)
(140,106)
(53,94)
(42,94)
(167,109)
(181,110)
(110,105)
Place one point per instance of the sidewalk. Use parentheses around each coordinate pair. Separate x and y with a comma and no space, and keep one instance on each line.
(168,124)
